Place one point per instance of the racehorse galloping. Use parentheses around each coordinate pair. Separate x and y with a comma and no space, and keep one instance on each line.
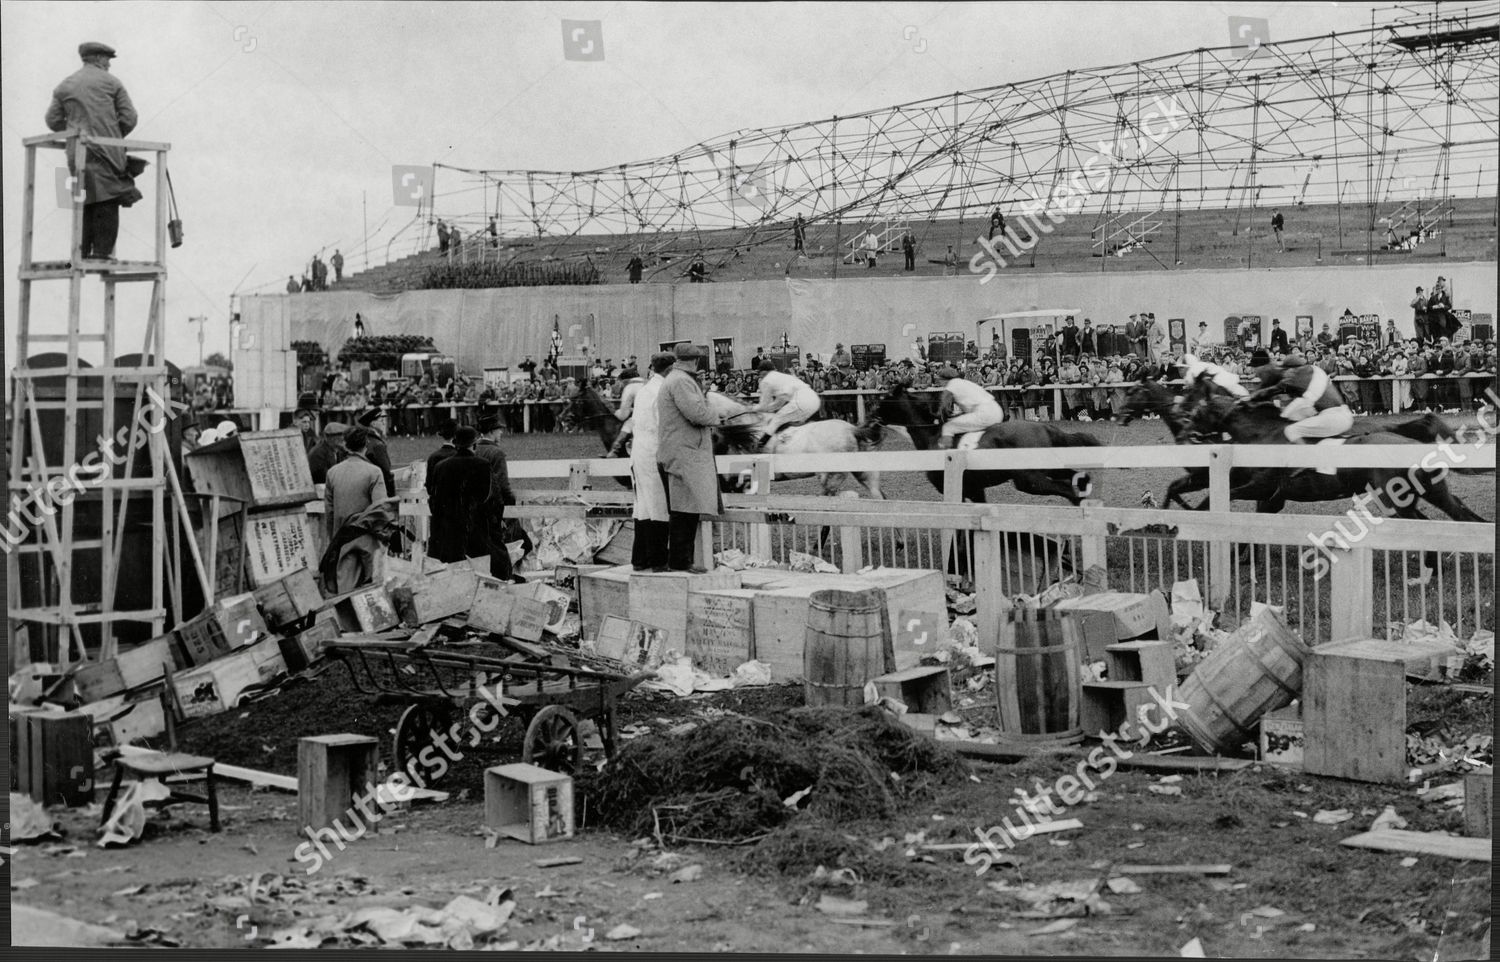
(743,428)
(918,418)
(1263,424)
(590,409)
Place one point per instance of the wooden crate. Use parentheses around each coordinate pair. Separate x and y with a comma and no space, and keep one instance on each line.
(332,770)
(265,468)
(603,592)
(1151,662)
(128,718)
(924,689)
(289,599)
(306,646)
(720,629)
(367,609)
(139,666)
(528,803)
(217,686)
(433,597)
(55,757)
(1136,615)
(492,604)
(231,623)
(277,543)
(661,599)
(1107,705)
(569,578)
(19,746)
(1479,800)
(781,620)
(1354,707)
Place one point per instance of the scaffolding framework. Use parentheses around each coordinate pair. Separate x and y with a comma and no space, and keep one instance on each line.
(47,538)
(1410,103)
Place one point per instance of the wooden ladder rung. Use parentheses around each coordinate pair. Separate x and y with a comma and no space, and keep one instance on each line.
(63,338)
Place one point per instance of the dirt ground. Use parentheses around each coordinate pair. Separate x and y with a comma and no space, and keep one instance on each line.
(1292,891)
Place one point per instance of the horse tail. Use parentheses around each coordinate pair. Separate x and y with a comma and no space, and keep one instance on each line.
(740,435)
(869,433)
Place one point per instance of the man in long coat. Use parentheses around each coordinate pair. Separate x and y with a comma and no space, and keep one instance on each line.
(376,422)
(94,102)
(459,489)
(501,496)
(685,455)
(649,549)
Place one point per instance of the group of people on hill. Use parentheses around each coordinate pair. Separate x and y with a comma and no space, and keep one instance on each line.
(315,278)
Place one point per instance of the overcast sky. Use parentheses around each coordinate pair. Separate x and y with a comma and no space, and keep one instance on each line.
(285,116)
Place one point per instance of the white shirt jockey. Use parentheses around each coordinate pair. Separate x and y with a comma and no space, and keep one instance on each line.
(789,398)
(626,411)
(1195,368)
(1318,411)
(977,408)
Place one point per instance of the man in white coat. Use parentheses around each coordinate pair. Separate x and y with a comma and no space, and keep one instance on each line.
(965,406)
(651,519)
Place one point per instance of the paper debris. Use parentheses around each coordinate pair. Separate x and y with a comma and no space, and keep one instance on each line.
(1409,861)
(1122,885)
(1164,789)
(1387,819)
(834,905)
(1192,950)
(622,932)
(688,873)
(1053,928)
(1333,816)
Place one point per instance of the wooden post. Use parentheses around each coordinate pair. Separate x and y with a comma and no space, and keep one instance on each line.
(760,487)
(525,417)
(1220,578)
(1352,599)
(990,603)
(859,407)
(1093,548)
(953,493)
(578,476)
(1057,405)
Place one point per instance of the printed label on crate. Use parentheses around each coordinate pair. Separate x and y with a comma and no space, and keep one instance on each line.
(719,632)
(277,466)
(278,544)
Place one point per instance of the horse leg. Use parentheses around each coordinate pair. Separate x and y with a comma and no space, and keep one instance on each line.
(1039,483)
(871,482)
(1179,487)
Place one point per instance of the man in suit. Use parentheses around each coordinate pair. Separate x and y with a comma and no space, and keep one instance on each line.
(459,488)
(685,456)
(93,101)
(446,430)
(1086,341)
(327,452)
(487,448)
(352,485)
(375,422)
(1070,343)
(1278,338)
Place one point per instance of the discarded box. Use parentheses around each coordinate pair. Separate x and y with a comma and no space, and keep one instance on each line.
(55,757)
(289,599)
(1136,615)
(720,629)
(1107,705)
(924,689)
(661,599)
(528,803)
(219,685)
(264,468)
(493,601)
(603,592)
(1282,736)
(231,623)
(128,718)
(18,738)
(1151,662)
(569,578)
(366,609)
(333,771)
(631,642)
(1479,800)
(306,646)
(277,543)
(554,602)
(434,597)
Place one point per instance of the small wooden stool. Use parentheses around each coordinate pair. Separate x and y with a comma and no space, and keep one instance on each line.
(161,766)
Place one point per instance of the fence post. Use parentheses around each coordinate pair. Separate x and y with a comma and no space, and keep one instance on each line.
(578,476)
(525,417)
(953,493)
(1219,576)
(990,603)
(1352,595)
(859,407)
(1093,551)
(760,487)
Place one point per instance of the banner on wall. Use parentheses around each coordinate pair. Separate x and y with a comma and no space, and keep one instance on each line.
(1177,335)
(945,347)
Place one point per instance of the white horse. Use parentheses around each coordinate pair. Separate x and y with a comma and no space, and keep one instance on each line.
(741,429)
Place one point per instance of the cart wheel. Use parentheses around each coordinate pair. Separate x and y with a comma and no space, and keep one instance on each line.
(418,729)
(553,741)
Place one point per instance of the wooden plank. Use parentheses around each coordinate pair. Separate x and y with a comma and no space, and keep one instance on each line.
(1423,843)
(1185,763)
(1479,788)
(1217,869)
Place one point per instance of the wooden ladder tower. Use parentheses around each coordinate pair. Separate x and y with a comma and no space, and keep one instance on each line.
(73,452)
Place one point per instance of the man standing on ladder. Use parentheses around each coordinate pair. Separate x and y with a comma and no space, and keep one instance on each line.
(977,408)
(94,102)
(788,398)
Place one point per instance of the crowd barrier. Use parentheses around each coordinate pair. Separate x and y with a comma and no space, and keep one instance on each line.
(1377,395)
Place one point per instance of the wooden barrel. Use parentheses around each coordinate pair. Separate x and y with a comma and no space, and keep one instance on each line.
(1038,681)
(1256,669)
(848,643)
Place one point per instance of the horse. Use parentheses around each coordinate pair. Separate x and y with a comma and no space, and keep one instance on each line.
(742,429)
(1262,423)
(898,409)
(1152,397)
(589,409)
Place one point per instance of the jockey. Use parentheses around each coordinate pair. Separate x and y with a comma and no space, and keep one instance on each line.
(977,407)
(1317,409)
(787,398)
(1194,369)
(630,385)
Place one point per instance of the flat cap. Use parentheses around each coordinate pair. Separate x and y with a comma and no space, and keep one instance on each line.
(687,350)
(94,48)
(335,427)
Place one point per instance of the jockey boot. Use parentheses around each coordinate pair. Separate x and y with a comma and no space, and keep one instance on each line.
(617,450)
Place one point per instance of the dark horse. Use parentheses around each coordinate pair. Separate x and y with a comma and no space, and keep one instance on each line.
(1252,423)
(1271,488)
(900,409)
(590,409)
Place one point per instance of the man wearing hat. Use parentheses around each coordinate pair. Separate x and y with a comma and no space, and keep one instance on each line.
(445,430)
(977,408)
(375,421)
(94,102)
(487,449)
(328,451)
(458,496)
(304,420)
(1316,408)
(1278,337)
(352,485)
(685,456)
(652,529)
(630,389)
(787,397)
